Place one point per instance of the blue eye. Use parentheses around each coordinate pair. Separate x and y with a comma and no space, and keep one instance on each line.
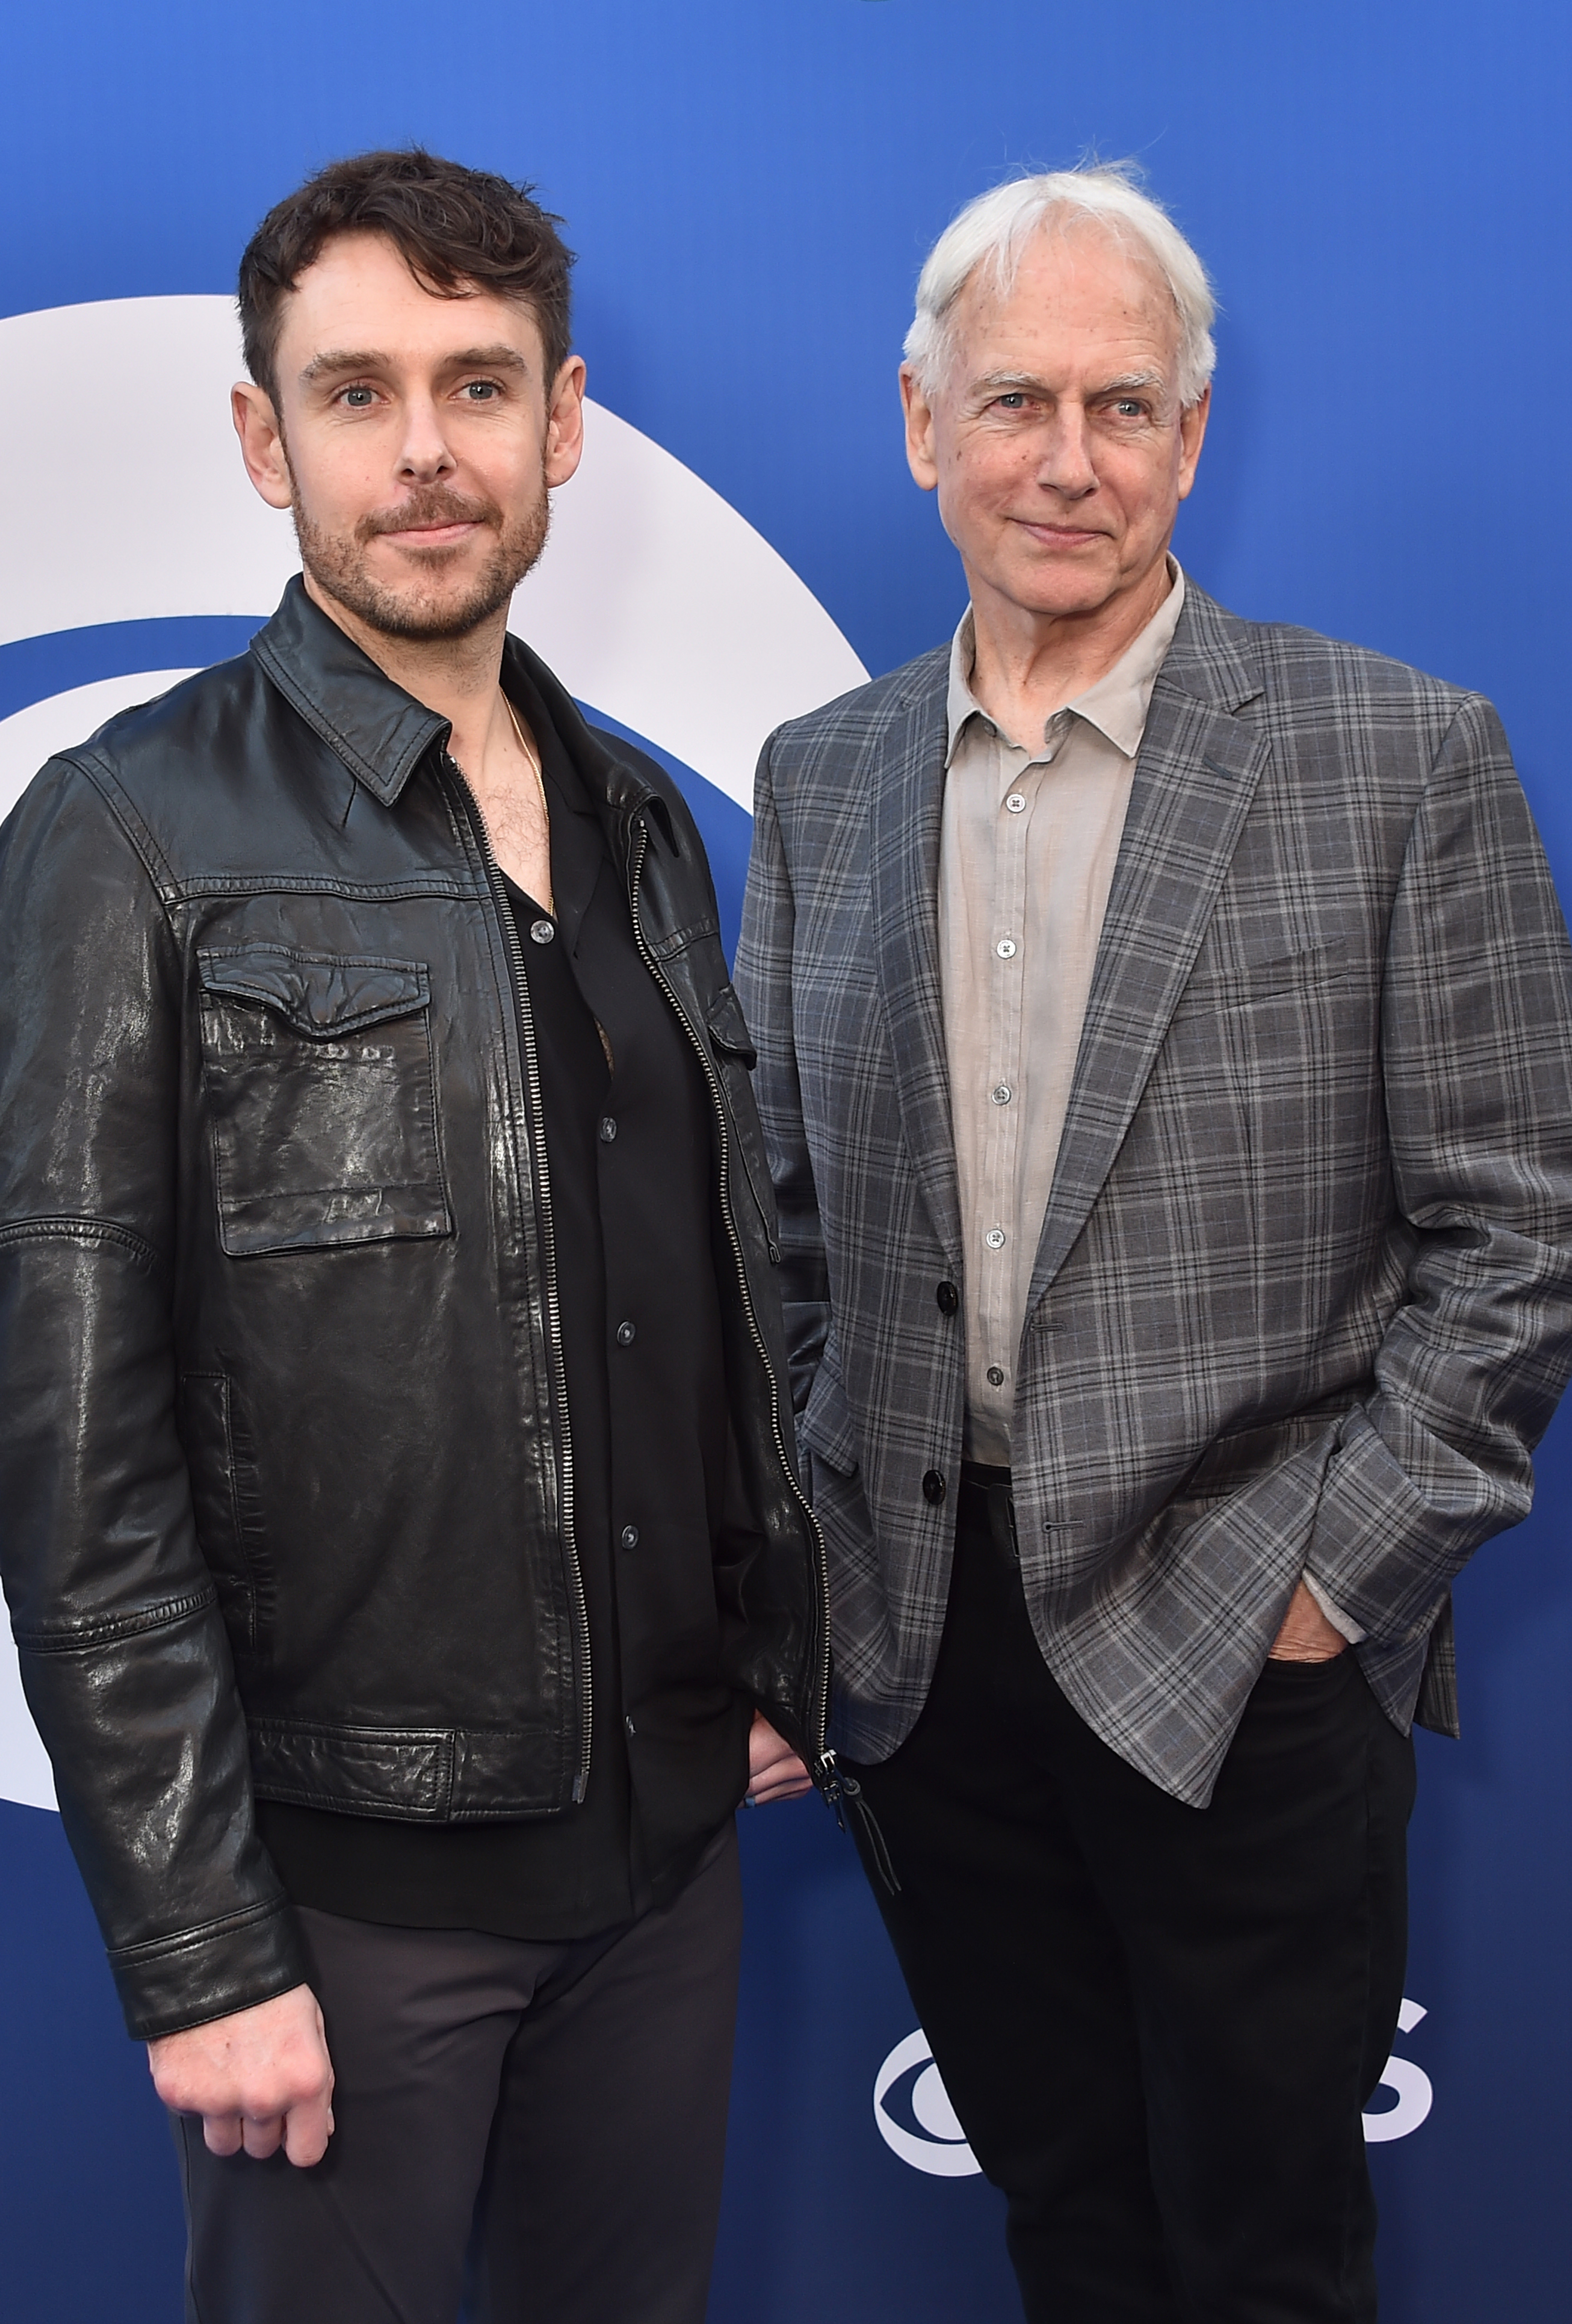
(481,391)
(357,398)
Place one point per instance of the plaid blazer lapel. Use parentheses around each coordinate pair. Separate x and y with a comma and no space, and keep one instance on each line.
(1195,778)
(908,809)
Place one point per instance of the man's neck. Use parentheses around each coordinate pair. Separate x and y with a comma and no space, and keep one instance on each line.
(1029,664)
(460,678)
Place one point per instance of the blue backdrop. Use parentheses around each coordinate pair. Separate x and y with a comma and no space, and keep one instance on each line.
(1382,194)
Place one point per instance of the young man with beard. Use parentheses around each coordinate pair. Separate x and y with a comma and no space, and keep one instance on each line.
(401,1544)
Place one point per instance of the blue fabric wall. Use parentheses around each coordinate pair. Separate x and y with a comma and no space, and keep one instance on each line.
(1380,190)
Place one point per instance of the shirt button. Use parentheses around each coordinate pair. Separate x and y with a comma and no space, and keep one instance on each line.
(542,931)
(1006,948)
(626,1335)
(949,1298)
(627,1726)
(995,1237)
(629,1537)
(607,1129)
(1001,1093)
(1016,803)
(996,1378)
(933,1487)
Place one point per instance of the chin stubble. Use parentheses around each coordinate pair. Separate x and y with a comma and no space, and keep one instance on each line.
(337,562)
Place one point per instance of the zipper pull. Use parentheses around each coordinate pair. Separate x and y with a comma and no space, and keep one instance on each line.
(843,1795)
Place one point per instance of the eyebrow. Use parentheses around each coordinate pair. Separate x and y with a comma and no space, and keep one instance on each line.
(1014,382)
(332,362)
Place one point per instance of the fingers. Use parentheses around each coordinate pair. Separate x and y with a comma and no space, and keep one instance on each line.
(221,2133)
(303,2134)
(1307,1635)
(782,1777)
(764,1795)
(261,2137)
(307,2130)
(775,1771)
(259,2078)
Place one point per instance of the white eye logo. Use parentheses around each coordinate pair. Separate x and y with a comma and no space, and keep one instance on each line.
(1415,2095)
(938,2143)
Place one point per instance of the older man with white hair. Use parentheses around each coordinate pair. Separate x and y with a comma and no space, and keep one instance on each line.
(1165,1032)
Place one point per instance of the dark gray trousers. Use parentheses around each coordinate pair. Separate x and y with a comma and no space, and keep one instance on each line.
(540,2127)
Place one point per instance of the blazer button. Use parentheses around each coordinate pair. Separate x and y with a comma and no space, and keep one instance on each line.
(628,1536)
(933,1486)
(626,1335)
(949,1299)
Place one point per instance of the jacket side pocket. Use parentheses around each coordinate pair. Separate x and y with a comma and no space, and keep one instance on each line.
(225,1502)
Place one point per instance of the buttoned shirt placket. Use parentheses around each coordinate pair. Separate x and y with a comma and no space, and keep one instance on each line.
(1029,841)
(1017,777)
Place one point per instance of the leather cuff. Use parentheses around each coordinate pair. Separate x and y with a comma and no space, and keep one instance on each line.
(169,1983)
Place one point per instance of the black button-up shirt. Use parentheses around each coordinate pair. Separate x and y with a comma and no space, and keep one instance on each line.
(629,1151)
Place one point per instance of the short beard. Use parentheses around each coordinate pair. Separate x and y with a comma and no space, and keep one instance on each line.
(337,563)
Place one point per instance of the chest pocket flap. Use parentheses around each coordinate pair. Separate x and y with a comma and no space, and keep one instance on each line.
(321,1095)
(322,995)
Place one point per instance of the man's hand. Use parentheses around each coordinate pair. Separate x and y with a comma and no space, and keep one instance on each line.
(775,1772)
(259,2078)
(1307,1635)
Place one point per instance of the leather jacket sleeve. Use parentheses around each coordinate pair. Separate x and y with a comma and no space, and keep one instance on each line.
(122,1652)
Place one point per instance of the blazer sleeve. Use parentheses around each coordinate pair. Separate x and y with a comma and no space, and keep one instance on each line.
(764,983)
(122,1653)
(1476,1060)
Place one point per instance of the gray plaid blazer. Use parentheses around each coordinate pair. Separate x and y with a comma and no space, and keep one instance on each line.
(1303,1297)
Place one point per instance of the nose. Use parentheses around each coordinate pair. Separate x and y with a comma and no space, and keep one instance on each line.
(424,453)
(1065,465)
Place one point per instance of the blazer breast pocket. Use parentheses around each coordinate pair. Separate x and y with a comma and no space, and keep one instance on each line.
(1268,971)
(321,1095)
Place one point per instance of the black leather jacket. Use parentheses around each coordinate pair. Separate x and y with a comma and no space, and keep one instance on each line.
(286,1492)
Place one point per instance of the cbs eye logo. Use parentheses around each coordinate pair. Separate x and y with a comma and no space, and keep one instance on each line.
(907,2091)
(916,2121)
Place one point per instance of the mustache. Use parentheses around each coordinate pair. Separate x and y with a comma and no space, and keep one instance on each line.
(431,504)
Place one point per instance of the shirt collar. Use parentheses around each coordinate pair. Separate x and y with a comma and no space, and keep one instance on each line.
(1116,706)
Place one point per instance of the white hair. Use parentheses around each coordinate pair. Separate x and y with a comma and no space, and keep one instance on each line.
(993,231)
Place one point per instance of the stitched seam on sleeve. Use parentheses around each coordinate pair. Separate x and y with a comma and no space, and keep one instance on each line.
(66,1227)
(188,1939)
(87,1635)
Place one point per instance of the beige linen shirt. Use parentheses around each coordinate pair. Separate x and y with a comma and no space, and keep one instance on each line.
(1026,855)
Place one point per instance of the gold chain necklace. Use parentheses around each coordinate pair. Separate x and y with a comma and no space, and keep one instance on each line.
(531,753)
(533,758)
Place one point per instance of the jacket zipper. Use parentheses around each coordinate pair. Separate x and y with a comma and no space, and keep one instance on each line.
(581,1623)
(831,1784)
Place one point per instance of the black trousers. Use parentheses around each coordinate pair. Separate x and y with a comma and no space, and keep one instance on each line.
(1157,2024)
(557,2111)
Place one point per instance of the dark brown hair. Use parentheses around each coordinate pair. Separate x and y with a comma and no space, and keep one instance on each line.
(455,228)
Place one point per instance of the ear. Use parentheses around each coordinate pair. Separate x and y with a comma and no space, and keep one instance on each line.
(261,444)
(565,422)
(921,455)
(1192,429)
